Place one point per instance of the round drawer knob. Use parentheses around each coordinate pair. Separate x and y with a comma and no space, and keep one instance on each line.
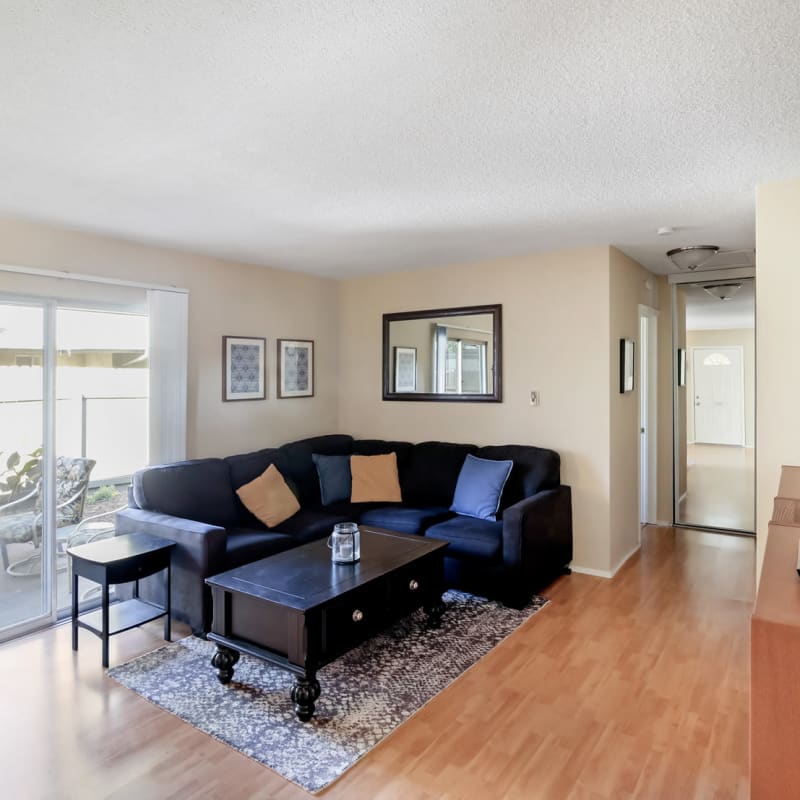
(358,615)
(413,585)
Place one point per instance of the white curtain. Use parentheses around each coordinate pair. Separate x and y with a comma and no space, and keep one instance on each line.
(168,351)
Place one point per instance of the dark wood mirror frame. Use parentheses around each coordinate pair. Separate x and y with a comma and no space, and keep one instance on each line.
(495,396)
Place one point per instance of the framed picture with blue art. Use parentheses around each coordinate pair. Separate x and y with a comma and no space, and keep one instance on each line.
(295,368)
(244,363)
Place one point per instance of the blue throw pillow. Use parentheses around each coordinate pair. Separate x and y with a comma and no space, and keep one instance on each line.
(480,486)
(335,482)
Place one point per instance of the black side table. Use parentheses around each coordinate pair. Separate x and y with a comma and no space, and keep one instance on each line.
(122,559)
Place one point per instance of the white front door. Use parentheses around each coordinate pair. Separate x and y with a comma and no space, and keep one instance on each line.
(718,395)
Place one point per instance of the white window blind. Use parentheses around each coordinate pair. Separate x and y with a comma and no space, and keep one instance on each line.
(168,343)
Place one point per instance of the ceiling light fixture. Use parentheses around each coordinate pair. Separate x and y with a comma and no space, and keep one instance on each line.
(722,291)
(692,257)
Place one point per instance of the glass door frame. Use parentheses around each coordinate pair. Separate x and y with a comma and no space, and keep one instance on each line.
(48,586)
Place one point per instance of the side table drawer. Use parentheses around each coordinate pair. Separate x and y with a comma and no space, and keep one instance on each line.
(141,567)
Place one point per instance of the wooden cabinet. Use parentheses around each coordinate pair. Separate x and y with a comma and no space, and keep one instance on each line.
(775,666)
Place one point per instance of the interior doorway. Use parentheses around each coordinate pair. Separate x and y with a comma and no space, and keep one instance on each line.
(714,394)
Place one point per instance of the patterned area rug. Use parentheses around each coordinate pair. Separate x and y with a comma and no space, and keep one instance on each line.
(366,693)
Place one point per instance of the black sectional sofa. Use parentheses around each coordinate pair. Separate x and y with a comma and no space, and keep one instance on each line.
(195,503)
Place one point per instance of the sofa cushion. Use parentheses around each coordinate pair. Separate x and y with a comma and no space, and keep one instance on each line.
(269,498)
(247,466)
(480,485)
(301,466)
(430,474)
(305,525)
(470,537)
(535,469)
(335,482)
(200,490)
(244,545)
(403,519)
(375,479)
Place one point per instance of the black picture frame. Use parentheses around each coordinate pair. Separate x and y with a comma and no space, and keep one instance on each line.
(681,366)
(626,365)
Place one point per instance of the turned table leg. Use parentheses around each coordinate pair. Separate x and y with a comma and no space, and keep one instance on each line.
(223,661)
(304,693)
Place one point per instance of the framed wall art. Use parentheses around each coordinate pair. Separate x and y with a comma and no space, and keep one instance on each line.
(626,349)
(405,369)
(295,368)
(244,368)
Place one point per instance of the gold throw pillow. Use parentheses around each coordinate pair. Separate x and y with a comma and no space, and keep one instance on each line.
(269,497)
(375,479)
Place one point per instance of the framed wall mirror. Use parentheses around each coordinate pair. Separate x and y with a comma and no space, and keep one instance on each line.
(450,354)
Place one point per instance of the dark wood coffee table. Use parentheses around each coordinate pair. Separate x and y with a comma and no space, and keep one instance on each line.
(300,611)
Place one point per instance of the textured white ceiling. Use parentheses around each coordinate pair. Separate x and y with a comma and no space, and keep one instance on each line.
(353,137)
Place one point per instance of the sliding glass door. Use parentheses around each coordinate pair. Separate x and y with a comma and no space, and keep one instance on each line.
(73,427)
(26,598)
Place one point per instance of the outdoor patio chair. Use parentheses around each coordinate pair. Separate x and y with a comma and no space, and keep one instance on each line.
(21,520)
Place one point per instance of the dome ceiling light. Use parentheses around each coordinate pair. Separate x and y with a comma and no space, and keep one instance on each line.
(722,291)
(693,256)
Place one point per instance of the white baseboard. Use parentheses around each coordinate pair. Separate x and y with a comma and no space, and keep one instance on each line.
(597,573)
(604,573)
(661,524)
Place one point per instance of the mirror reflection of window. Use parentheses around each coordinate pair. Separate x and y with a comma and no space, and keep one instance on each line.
(451,367)
(473,367)
(462,367)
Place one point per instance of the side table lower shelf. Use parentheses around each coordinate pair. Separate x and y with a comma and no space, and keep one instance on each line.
(122,616)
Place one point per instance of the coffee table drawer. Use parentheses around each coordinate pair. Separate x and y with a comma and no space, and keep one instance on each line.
(412,585)
(353,617)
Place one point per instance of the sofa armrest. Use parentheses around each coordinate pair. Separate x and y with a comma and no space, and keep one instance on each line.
(200,552)
(537,531)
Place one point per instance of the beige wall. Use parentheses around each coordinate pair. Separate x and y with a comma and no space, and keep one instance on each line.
(777,335)
(556,335)
(561,337)
(744,337)
(627,291)
(225,297)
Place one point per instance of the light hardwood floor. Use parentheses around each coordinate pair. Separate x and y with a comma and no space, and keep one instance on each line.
(720,487)
(633,687)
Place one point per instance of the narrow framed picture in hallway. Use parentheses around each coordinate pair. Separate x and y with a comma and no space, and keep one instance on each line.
(626,365)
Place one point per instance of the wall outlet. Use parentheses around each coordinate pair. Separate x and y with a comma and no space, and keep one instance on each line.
(535,398)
